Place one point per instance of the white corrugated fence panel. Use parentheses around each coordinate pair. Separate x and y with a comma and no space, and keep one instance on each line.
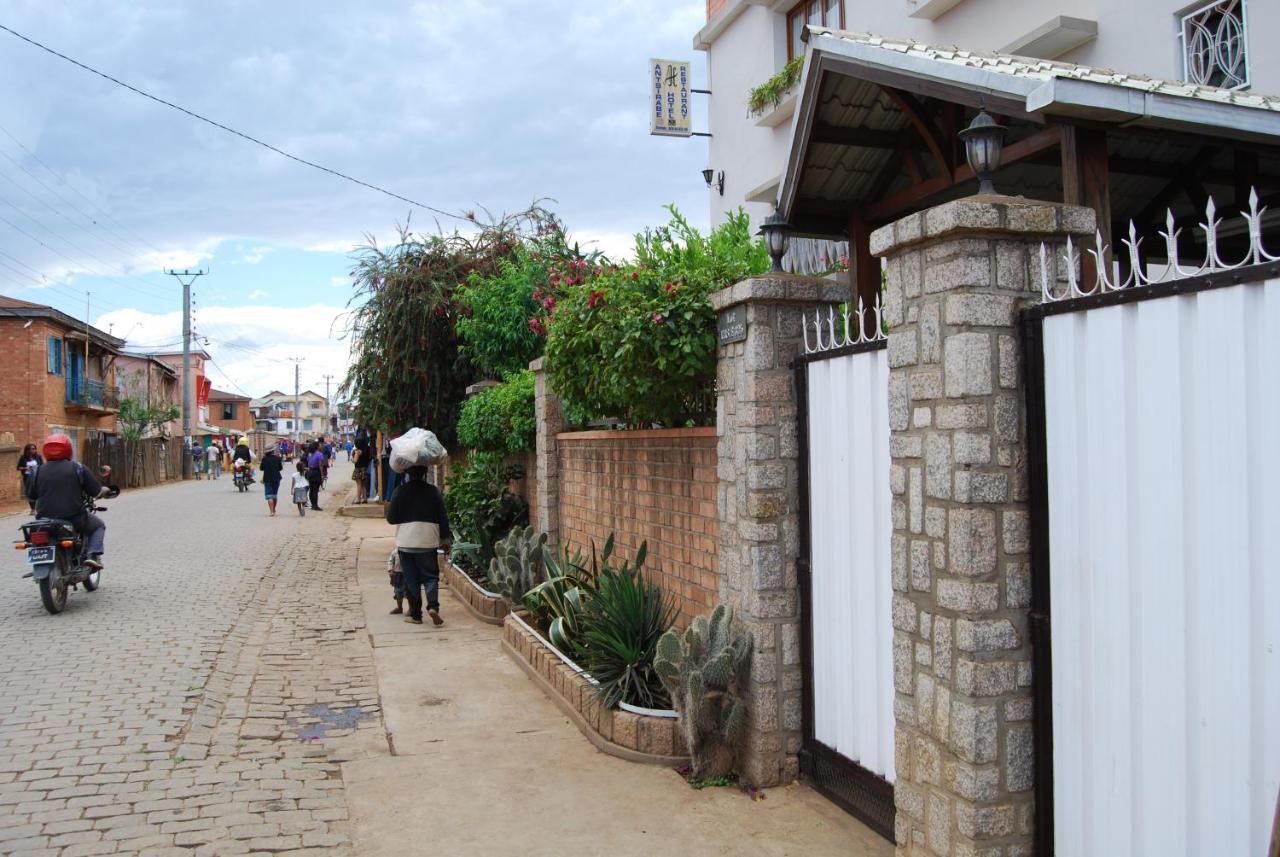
(1163,435)
(850,531)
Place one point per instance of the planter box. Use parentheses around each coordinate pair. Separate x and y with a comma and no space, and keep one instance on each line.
(651,738)
(484,605)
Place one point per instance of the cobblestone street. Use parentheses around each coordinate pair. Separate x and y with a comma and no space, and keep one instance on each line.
(201,700)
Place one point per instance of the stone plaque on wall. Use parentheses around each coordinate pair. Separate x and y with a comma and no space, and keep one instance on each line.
(731,325)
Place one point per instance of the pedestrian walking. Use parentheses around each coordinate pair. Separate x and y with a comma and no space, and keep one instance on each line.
(315,473)
(396,578)
(272,467)
(215,460)
(197,460)
(349,446)
(422,528)
(300,487)
(28,463)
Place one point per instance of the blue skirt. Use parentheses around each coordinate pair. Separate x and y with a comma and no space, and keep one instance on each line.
(270,489)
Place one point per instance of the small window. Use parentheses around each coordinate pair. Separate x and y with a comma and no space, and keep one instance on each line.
(228,410)
(55,355)
(819,13)
(1215,45)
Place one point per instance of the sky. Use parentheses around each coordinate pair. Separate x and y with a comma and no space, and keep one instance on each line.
(458,104)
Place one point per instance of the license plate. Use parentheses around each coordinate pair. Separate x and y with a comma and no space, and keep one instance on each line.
(35,556)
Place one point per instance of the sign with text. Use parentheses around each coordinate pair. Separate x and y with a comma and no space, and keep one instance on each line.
(669,113)
(731,325)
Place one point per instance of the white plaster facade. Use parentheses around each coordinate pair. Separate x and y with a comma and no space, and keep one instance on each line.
(745,42)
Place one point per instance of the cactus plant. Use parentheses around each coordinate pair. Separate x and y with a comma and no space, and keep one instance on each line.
(704,669)
(517,565)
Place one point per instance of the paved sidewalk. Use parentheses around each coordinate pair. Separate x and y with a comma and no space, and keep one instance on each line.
(485,764)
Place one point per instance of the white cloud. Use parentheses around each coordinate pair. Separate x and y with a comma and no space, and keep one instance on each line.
(257,294)
(256,255)
(252,346)
(339,282)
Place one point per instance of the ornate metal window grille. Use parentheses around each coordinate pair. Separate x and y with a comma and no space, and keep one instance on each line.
(1215,45)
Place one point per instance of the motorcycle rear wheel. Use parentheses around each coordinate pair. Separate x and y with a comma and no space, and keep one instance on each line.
(93,581)
(53,590)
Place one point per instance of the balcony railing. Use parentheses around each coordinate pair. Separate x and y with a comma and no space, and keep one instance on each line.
(93,395)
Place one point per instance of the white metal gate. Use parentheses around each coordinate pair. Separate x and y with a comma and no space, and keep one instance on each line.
(1162,438)
(846,578)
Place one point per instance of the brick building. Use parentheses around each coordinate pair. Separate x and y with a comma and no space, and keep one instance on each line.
(230,412)
(60,374)
(152,383)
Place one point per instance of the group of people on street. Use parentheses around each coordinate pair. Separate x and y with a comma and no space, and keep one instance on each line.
(311,471)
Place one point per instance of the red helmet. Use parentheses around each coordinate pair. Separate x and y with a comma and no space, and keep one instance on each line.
(57,447)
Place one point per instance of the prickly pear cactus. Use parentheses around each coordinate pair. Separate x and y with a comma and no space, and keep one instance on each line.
(704,669)
(517,564)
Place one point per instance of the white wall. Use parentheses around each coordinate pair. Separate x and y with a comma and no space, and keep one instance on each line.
(1133,35)
(1164,493)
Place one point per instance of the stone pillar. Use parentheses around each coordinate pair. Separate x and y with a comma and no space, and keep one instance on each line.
(549,413)
(957,276)
(758,504)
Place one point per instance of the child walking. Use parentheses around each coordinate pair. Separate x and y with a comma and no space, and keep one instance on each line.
(300,487)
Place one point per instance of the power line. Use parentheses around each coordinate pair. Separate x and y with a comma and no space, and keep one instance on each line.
(59,236)
(69,187)
(227,375)
(230,130)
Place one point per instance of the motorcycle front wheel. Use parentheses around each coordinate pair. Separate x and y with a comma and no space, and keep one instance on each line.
(53,590)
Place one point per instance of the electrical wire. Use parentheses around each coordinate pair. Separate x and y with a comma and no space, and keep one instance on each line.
(71,188)
(229,129)
(150,290)
(228,377)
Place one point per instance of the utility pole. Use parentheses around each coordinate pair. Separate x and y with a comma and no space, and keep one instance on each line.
(327,406)
(186,278)
(297,400)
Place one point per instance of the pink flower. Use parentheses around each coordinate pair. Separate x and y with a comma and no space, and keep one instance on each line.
(657,318)
(596,299)
(635,275)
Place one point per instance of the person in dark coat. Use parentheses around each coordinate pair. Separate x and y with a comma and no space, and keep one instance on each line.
(61,489)
(28,463)
(272,467)
(422,527)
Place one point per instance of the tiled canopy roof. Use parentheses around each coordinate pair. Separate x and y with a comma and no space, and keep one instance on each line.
(1038,69)
(1045,70)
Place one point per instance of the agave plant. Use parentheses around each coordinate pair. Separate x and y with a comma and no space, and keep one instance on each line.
(620,625)
(556,602)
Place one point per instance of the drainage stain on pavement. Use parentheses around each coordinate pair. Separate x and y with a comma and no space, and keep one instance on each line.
(328,718)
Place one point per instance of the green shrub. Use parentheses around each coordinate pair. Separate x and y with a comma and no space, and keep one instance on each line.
(482,509)
(501,418)
(494,328)
(638,342)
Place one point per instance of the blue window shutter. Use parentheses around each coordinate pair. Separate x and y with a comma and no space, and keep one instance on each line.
(55,355)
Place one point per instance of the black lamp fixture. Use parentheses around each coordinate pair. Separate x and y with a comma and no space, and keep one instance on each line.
(983,147)
(714,181)
(776,232)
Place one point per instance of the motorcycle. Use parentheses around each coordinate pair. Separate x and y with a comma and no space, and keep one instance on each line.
(55,552)
(242,474)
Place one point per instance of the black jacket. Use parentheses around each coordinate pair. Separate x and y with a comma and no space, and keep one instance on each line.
(272,466)
(61,487)
(242,453)
(419,500)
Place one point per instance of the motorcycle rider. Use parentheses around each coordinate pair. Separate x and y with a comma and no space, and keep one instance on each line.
(243,453)
(60,489)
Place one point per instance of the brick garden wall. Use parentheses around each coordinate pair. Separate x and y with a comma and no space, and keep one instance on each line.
(657,486)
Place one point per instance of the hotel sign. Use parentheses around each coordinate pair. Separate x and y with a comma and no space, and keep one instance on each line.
(669,113)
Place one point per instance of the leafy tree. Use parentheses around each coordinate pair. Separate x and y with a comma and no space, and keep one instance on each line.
(136,420)
(408,367)
(501,418)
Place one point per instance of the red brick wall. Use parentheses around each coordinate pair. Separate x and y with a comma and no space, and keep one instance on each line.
(658,486)
(10,481)
(714,7)
(31,399)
